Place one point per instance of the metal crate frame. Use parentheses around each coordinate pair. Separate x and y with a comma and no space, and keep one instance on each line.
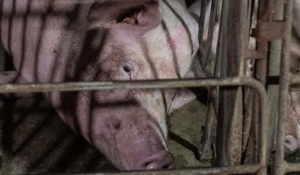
(286,79)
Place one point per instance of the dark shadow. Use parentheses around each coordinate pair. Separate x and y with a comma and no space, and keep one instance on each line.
(201,94)
(185,144)
(34,133)
(7,126)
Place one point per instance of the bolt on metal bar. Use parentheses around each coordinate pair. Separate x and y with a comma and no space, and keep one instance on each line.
(283,90)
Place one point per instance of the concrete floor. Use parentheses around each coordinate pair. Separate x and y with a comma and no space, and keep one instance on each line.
(33,139)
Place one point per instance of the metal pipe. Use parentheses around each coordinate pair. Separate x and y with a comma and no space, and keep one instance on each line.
(292,167)
(283,90)
(295,79)
(142,84)
(238,169)
(273,89)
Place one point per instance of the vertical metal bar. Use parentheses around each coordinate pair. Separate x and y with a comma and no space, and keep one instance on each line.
(210,64)
(283,90)
(243,34)
(230,121)
(222,120)
(208,50)
(264,14)
(273,87)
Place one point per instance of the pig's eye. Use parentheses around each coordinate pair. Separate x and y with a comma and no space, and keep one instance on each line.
(127,69)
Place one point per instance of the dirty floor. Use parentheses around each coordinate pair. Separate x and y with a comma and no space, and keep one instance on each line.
(33,139)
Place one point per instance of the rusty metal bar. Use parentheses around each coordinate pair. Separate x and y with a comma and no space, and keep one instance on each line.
(274,71)
(239,44)
(209,61)
(263,32)
(243,35)
(283,90)
(264,14)
(238,169)
(292,167)
(150,84)
(210,66)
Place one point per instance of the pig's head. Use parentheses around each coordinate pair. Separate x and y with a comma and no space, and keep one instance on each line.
(129,40)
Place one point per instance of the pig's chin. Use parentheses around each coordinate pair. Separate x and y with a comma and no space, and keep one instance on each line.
(133,141)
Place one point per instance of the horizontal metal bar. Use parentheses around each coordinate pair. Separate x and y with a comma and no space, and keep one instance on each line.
(292,167)
(238,169)
(269,31)
(145,84)
(254,54)
(294,79)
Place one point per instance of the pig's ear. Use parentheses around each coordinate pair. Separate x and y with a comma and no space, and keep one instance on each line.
(136,16)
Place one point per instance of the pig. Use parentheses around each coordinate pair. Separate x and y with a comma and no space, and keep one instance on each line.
(54,41)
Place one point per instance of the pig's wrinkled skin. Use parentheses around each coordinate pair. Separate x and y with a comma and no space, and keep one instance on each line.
(101,40)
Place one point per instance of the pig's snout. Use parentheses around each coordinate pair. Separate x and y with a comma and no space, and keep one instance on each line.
(291,142)
(159,160)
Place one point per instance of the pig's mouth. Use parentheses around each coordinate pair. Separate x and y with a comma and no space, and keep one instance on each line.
(159,160)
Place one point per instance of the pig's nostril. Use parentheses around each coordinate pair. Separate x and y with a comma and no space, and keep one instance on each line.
(291,143)
(166,167)
(127,69)
(159,160)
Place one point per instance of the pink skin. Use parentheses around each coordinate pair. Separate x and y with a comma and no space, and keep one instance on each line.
(102,42)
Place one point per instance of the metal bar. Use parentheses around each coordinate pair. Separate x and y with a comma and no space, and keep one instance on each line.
(243,35)
(222,120)
(292,167)
(264,14)
(273,89)
(295,79)
(142,84)
(208,48)
(283,90)
(210,64)
(238,169)
(263,32)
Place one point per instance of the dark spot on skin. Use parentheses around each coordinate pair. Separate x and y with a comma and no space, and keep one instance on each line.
(117,126)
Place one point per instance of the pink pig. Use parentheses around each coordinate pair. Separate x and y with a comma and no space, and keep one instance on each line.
(105,40)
